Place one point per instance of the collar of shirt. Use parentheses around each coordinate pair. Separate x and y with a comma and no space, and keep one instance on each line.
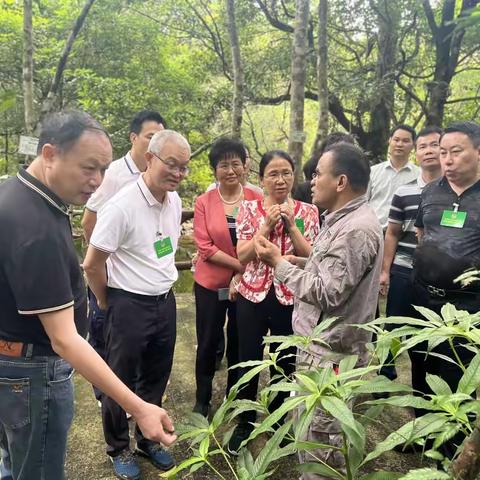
(131,165)
(329,218)
(41,189)
(420,181)
(148,196)
(408,166)
(443,182)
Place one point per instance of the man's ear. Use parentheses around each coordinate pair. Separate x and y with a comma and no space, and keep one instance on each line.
(342,183)
(133,137)
(148,158)
(48,154)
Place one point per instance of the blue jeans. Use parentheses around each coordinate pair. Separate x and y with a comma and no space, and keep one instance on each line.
(36,411)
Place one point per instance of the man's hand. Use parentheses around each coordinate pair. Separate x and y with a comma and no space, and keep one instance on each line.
(384,283)
(266,251)
(155,424)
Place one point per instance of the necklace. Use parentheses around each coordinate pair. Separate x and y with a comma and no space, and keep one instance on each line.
(226,202)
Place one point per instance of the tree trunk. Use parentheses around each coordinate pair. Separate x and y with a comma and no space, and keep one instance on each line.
(237,104)
(448,39)
(322,77)
(28,66)
(49,102)
(298,75)
(467,465)
(382,101)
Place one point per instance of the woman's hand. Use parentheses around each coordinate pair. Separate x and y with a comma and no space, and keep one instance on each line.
(232,292)
(273,215)
(287,214)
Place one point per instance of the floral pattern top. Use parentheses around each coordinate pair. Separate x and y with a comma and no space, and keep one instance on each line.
(258,277)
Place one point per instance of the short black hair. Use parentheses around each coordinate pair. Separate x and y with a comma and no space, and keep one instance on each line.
(428,131)
(330,139)
(146,116)
(470,129)
(407,128)
(269,156)
(351,161)
(309,167)
(225,148)
(64,128)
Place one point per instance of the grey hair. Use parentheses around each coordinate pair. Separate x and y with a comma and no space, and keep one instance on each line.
(158,141)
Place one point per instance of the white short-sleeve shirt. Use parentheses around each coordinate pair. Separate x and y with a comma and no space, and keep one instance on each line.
(127,227)
(120,173)
(384,182)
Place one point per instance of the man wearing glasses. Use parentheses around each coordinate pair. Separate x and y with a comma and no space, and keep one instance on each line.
(136,236)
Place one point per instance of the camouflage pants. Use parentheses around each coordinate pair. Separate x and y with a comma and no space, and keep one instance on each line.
(323,429)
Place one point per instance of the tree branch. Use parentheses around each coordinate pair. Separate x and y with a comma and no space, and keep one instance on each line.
(467,99)
(430,17)
(274,21)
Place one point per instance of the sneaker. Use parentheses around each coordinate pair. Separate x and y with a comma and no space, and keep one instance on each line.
(201,408)
(157,455)
(125,466)
(242,432)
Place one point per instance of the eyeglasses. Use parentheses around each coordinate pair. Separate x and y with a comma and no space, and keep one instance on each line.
(232,165)
(172,166)
(277,175)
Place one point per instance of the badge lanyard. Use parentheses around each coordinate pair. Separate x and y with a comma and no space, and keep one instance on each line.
(453,218)
(163,246)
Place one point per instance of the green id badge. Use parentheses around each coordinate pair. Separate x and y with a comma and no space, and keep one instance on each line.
(453,219)
(300,223)
(163,247)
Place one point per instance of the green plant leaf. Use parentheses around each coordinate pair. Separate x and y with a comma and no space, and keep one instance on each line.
(438,385)
(449,313)
(321,469)
(381,476)
(404,401)
(183,466)
(289,405)
(426,474)
(347,364)
(381,384)
(435,320)
(370,415)
(266,455)
(470,380)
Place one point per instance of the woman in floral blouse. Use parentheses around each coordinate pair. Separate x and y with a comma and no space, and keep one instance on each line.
(263,304)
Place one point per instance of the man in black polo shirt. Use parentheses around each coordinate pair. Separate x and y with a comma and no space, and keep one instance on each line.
(448,224)
(43,302)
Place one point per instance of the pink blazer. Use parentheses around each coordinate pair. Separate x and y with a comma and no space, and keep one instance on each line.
(211,234)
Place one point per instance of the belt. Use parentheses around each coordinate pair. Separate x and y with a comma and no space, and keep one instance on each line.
(25,350)
(444,292)
(152,298)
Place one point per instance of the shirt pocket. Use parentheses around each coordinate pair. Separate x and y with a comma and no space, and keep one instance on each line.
(15,402)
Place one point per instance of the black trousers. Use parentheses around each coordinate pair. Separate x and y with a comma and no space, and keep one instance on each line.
(423,364)
(210,320)
(255,320)
(140,333)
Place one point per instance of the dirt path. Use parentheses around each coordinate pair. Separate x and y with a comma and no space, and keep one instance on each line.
(86,459)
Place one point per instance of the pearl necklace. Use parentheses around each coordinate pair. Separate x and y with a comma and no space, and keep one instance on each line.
(226,202)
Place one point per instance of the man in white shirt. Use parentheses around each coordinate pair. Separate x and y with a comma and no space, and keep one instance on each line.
(135,237)
(386,177)
(121,172)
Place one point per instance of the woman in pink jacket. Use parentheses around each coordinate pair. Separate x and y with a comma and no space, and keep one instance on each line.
(218,270)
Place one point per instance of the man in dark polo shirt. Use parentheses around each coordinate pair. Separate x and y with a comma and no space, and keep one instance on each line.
(448,224)
(43,302)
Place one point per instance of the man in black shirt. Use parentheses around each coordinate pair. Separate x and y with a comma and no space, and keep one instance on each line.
(43,303)
(448,226)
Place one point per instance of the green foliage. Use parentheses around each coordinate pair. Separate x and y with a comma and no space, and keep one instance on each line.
(342,396)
